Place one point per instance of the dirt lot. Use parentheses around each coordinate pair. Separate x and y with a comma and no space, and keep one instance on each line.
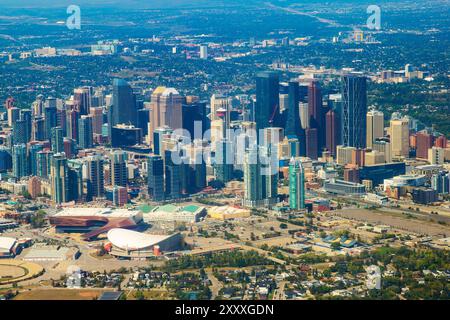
(59,294)
(410,225)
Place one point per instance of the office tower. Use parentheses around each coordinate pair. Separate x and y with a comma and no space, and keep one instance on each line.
(399,138)
(124,110)
(440,142)
(436,156)
(374,157)
(118,168)
(38,129)
(72,119)
(204,52)
(424,141)
(296,184)
(344,155)
(51,102)
(312,137)
(120,196)
(125,136)
(440,182)
(358,157)
(61,120)
(220,102)
(44,163)
(143,121)
(97,119)
(166,110)
(59,178)
(5,159)
(13,115)
(9,103)
(172,174)
(333,132)
(37,106)
(224,160)
(316,112)
(26,116)
(82,99)
(375,127)
(253,181)
(74,180)
(155,174)
(304,115)
(158,138)
(50,121)
(94,176)
(284,102)
(57,140)
(384,147)
(354,110)
(269,171)
(293,126)
(33,153)
(267,112)
(85,135)
(351,174)
(19,132)
(194,114)
(19,161)
(70,147)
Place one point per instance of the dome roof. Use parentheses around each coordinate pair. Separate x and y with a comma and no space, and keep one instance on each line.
(132,240)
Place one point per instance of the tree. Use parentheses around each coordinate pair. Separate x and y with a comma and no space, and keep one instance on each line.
(335,245)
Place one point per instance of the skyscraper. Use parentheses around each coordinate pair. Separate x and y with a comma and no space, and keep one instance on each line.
(44,163)
(293,126)
(124,110)
(59,178)
(34,149)
(57,140)
(95,176)
(424,141)
(267,111)
(50,121)
(166,110)
(375,127)
(85,135)
(400,138)
(83,99)
(354,110)
(253,182)
(155,173)
(333,131)
(20,161)
(316,113)
(72,119)
(118,169)
(173,176)
(296,184)
(312,137)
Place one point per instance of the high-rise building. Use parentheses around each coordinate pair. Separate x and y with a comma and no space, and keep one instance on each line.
(440,182)
(224,160)
(72,120)
(95,176)
(125,135)
(333,132)
(19,132)
(38,129)
(13,115)
(267,112)
(124,110)
(399,138)
(97,119)
(312,137)
(253,180)
(344,155)
(75,180)
(293,126)
(296,184)
(424,141)
(166,110)
(50,121)
(34,149)
(316,113)
(172,175)
(83,99)
(194,114)
(27,118)
(57,140)
(143,120)
(354,111)
(118,168)
(59,178)
(19,160)
(375,127)
(44,163)
(155,173)
(436,155)
(120,196)
(85,135)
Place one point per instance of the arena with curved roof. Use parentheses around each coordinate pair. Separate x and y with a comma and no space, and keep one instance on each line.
(136,245)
